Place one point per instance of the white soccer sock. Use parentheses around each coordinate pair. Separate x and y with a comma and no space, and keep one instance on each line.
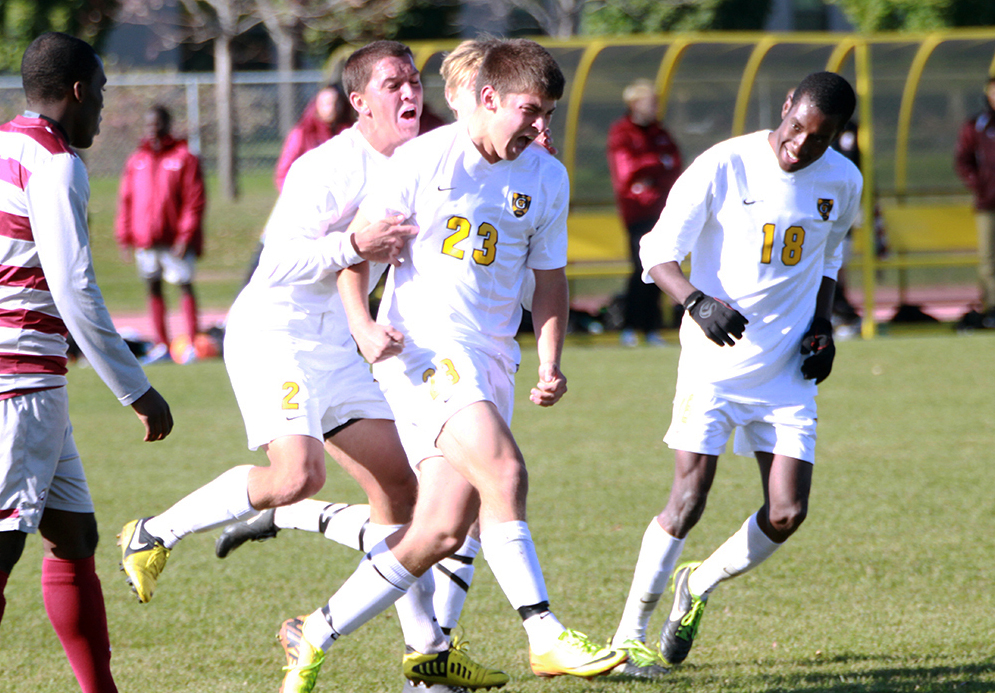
(416,615)
(373,534)
(743,551)
(511,554)
(453,576)
(415,611)
(217,503)
(378,581)
(342,523)
(543,630)
(658,555)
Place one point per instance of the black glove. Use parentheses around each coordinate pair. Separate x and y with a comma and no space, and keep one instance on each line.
(818,342)
(717,319)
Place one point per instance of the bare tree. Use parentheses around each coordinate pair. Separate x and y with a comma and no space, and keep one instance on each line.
(557,18)
(286,21)
(221,21)
(200,21)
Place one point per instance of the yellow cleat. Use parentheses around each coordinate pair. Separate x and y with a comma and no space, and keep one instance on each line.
(303,660)
(451,668)
(143,558)
(576,655)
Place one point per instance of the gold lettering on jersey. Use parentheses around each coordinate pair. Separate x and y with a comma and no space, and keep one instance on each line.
(825,207)
(520,204)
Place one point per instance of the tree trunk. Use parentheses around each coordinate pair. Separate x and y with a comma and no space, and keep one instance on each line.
(226,117)
(286,103)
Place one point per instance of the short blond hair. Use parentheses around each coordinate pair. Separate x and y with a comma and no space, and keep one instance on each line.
(638,89)
(460,66)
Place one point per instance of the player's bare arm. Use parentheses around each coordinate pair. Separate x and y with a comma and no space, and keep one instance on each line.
(550,310)
(720,322)
(380,241)
(376,342)
(153,411)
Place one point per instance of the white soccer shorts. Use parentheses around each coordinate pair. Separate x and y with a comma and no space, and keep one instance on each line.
(703,423)
(297,381)
(160,263)
(426,386)
(39,463)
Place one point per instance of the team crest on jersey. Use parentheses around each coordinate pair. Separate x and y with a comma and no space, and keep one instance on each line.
(825,207)
(520,203)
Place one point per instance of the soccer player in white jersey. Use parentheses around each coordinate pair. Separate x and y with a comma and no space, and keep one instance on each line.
(344,523)
(47,291)
(347,524)
(300,384)
(488,206)
(763,216)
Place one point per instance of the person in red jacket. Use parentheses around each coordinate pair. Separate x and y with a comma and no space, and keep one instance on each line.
(160,212)
(975,164)
(327,114)
(644,162)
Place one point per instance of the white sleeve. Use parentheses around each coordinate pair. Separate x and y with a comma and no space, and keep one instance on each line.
(57,199)
(548,246)
(298,247)
(834,245)
(676,231)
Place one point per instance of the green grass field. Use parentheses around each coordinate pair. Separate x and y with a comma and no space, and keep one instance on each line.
(886,588)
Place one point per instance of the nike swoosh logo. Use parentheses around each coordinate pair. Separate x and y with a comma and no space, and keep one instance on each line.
(748,202)
(611,655)
(136,543)
(441,189)
(291,418)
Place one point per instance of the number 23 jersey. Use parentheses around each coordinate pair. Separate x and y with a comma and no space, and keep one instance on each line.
(480,226)
(760,239)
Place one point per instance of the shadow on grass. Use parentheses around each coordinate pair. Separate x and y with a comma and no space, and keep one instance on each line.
(846,673)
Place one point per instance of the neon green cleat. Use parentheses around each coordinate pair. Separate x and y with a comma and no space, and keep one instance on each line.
(451,668)
(303,660)
(143,558)
(643,662)
(682,624)
(577,655)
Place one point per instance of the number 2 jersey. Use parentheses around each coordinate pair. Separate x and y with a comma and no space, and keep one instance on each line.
(480,226)
(761,239)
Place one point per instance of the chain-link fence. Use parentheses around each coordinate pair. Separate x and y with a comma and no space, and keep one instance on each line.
(706,81)
(190,99)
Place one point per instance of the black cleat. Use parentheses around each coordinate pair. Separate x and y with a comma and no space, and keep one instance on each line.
(258,528)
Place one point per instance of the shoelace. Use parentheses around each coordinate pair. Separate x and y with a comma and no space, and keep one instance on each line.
(639,653)
(309,672)
(692,619)
(459,643)
(581,641)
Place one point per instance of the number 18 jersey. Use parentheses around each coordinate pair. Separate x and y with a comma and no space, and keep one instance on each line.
(481,225)
(761,239)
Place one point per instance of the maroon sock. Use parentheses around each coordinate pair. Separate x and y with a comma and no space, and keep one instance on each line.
(3,586)
(74,603)
(157,307)
(189,305)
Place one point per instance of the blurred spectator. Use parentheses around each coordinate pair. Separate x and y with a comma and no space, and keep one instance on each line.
(644,162)
(975,163)
(160,211)
(325,116)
